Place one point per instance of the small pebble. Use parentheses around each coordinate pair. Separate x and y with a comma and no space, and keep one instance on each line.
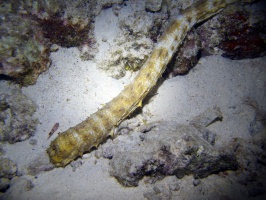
(54,48)
(98,153)
(33,141)
(196,182)
(142,136)
(75,164)
(157,190)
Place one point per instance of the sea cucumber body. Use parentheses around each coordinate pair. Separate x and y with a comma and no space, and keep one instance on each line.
(94,130)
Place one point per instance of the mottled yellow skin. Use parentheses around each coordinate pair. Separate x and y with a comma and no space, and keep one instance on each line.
(94,130)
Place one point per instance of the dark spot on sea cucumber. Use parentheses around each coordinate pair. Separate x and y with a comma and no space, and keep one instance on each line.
(172,48)
(121,110)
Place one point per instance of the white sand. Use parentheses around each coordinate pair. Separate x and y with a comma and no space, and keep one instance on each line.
(72,89)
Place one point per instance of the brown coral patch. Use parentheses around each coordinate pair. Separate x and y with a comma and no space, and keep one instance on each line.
(64,33)
(242,41)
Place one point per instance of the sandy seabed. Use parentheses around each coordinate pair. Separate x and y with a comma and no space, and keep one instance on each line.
(73,89)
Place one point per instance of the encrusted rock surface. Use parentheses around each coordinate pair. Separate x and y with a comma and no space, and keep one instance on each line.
(172,160)
(169,149)
(237,33)
(16,117)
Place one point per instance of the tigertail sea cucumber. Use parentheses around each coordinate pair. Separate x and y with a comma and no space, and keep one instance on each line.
(94,130)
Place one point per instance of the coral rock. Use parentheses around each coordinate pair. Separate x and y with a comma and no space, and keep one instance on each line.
(170,149)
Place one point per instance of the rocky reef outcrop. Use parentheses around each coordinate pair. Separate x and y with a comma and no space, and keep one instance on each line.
(168,157)
(238,32)
(165,148)
(30,28)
